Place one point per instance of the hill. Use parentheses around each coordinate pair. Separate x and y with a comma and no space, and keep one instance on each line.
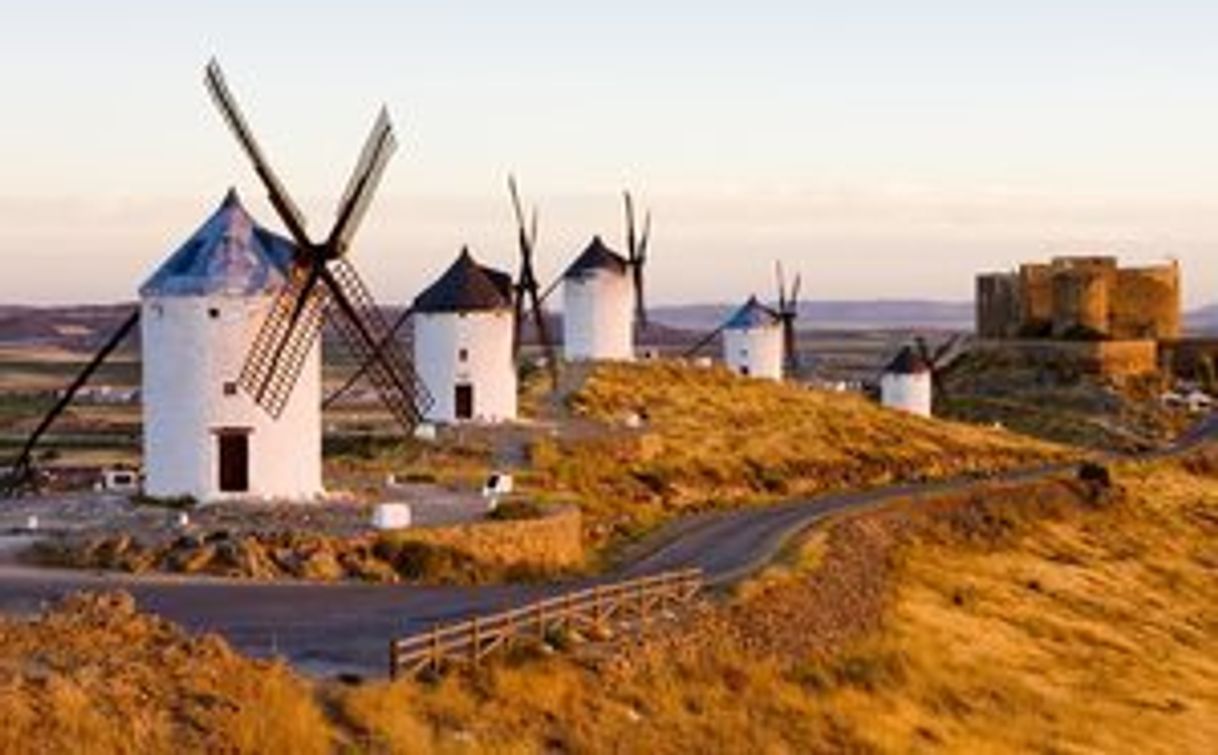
(1050,616)
(660,439)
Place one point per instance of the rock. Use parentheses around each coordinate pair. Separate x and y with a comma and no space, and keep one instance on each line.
(322,565)
(363,566)
(190,559)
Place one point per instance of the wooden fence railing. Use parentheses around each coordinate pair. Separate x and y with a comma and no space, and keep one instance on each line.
(593,607)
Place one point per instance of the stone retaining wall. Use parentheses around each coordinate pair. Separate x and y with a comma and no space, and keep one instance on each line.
(553,541)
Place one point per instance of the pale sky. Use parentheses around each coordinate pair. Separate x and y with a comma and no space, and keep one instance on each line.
(886,149)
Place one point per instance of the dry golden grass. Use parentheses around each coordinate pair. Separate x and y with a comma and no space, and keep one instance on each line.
(1095,632)
(94,677)
(1051,617)
(712,438)
(1032,618)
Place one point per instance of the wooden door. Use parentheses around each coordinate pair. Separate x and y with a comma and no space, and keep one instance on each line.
(234,462)
(464,401)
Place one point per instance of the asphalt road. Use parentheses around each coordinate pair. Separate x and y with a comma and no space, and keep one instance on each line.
(331,628)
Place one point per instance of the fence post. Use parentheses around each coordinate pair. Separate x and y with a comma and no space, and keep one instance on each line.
(541,620)
(476,641)
(598,611)
(393,660)
(435,648)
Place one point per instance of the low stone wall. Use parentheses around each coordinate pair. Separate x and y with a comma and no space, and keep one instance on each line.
(553,541)
(1107,358)
(487,550)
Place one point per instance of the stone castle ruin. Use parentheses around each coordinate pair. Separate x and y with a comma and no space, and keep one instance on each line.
(1080,298)
(1088,310)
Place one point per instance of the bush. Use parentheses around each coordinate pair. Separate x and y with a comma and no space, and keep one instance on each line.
(415,560)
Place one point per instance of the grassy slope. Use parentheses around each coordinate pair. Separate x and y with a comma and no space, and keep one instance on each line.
(1030,619)
(1063,405)
(94,677)
(714,439)
(1037,617)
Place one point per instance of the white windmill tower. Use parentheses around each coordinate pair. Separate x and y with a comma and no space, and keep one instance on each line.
(907,383)
(200,314)
(753,341)
(759,341)
(603,297)
(463,343)
(233,321)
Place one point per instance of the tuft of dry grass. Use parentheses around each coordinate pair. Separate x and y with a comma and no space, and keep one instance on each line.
(95,677)
(711,438)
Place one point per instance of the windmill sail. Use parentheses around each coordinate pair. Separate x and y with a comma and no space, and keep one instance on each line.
(527,294)
(22,470)
(636,246)
(323,284)
(368,336)
(289,333)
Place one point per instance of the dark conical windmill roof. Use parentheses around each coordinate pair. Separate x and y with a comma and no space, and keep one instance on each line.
(229,254)
(595,257)
(908,362)
(753,314)
(466,286)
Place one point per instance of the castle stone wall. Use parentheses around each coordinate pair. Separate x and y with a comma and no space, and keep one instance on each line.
(1147,303)
(998,305)
(1080,298)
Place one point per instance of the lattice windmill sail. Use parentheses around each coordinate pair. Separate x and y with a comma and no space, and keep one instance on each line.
(323,285)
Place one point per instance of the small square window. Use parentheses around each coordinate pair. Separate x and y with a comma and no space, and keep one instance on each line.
(214,313)
(462,355)
(230,388)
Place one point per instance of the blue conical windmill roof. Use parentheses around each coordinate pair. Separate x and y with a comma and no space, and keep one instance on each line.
(229,255)
(753,314)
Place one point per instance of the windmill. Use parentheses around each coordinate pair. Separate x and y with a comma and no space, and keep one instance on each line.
(636,258)
(603,302)
(323,285)
(527,292)
(788,311)
(913,379)
(754,322)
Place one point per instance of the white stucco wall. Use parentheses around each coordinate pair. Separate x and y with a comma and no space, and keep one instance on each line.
(188,357)
(598,317)
(756,351)
(910,393)
(486,338)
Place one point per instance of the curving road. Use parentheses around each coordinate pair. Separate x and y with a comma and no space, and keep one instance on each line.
(332,628)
